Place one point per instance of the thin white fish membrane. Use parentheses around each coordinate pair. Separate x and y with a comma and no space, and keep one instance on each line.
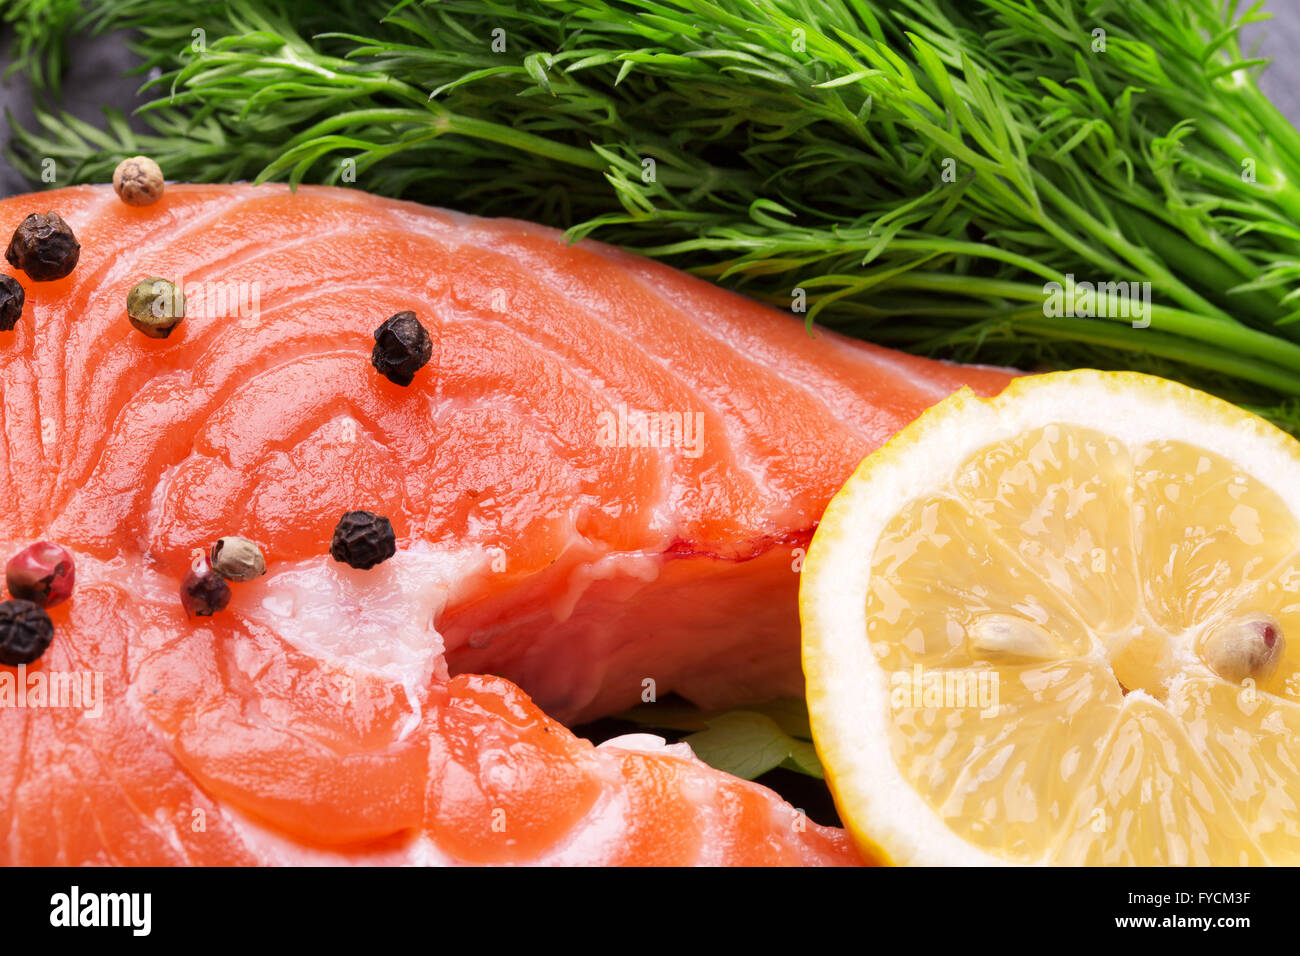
(648,744)
(380,620)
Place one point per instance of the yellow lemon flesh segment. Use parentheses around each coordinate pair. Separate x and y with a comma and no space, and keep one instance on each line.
(1051,627)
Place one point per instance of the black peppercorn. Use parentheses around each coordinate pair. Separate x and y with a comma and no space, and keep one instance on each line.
(25,632)
(44,247)
(402,348)
(363,539)
(204,592)
(12,298)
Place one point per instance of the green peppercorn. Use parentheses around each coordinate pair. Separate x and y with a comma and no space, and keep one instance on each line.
(155,307)
(237,559)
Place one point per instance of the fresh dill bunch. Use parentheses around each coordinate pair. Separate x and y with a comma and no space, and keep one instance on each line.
(915,170)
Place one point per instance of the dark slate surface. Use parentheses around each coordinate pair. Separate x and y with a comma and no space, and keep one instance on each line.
(1279,39)
(95,79)
(98,64)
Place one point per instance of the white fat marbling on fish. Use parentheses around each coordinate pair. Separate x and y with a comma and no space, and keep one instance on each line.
(598,835)
(274,849)
(380,620)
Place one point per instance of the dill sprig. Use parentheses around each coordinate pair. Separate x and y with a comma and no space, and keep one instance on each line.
(918,168)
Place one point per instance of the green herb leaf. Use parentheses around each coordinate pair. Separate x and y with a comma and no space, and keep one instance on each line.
(921,168)
(803,759)
(749,744)
(673,713)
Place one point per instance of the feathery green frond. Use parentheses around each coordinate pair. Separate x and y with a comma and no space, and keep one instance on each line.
(920,169)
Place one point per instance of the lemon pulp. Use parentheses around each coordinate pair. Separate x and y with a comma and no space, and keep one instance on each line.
(1096,733)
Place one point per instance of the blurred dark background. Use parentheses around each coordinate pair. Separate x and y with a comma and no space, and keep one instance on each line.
(95,79)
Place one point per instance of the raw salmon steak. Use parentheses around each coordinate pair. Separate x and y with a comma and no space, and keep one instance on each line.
(600,484)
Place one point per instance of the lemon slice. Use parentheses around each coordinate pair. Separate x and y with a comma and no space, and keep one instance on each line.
(1051,627)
